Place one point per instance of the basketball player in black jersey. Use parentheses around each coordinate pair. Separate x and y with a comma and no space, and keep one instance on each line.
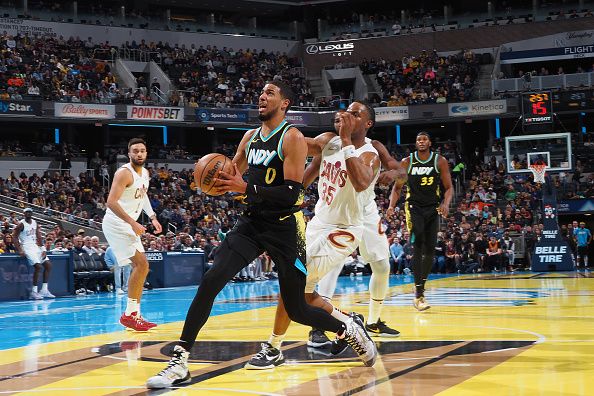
(423,204)
(274,156)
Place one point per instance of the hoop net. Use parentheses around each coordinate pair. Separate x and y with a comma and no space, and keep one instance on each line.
(538,170)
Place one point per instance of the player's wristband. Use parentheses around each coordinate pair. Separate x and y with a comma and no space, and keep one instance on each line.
(349,152)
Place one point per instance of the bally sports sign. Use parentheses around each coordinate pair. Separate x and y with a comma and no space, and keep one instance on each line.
(84,110)
(155,113)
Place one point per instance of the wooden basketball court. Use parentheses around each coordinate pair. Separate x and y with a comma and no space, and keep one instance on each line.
(504,334)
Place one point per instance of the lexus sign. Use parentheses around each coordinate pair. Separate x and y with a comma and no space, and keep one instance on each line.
(337,49)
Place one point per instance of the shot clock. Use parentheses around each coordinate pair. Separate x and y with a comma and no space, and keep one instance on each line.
(537,108)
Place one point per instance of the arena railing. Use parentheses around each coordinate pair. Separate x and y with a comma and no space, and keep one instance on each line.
(410,25)
(332,99)
(50,212)
(161,97)
(563,81)
(104,54)
(187,93)
(139,55)
(90,172)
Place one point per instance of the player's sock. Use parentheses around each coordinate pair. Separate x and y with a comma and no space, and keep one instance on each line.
(340,315)
(44,287)
(276,340)
(375,309)
(417,272)
(378,288)
(419,289)
(34,289)
(132,306)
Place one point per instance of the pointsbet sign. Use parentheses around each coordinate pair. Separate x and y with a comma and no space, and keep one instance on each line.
(156,113)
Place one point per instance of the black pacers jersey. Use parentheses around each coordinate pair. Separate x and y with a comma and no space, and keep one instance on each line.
(265,161)
(423,181)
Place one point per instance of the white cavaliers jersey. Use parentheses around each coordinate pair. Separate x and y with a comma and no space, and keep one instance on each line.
(132,198)
(339,202)
(29,234)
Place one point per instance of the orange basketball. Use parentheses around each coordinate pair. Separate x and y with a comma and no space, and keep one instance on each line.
(207,170)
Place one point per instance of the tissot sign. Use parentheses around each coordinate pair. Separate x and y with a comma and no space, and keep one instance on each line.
(334,49)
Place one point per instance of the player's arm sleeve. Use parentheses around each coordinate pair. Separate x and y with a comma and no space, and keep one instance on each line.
(147,207)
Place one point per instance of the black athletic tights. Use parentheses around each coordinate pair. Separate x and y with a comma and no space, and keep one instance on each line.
(425,223)
(236,252)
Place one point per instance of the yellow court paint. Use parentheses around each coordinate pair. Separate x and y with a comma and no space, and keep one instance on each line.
(505,335)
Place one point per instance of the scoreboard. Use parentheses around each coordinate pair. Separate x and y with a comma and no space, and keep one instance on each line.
(574,100)
(537,108)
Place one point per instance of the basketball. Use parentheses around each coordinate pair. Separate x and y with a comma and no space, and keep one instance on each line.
(207,170)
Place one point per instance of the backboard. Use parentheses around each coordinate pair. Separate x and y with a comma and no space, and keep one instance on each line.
(553,149)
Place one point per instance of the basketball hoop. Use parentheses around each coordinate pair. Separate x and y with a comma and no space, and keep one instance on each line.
(538,170)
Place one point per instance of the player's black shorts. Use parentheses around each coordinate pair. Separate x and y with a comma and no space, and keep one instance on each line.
(283,237)
(582,251)
(422,222)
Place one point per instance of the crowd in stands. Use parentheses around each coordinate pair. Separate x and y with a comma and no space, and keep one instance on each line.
(74,70)
(55,69)
(576,186)
(78,199)
(224,77)
(527,71)
(494,213)
(394,21)
(109,13)
(424,78)
(494,226)
(358,20)
(388,21)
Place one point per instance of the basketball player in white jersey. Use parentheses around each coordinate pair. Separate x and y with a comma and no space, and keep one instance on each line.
(348,172)
(374,250)
(127,198)
(27,240)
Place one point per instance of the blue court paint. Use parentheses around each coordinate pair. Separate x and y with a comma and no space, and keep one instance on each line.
(397,133)
(497,129)
(35,322)
(57,136)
